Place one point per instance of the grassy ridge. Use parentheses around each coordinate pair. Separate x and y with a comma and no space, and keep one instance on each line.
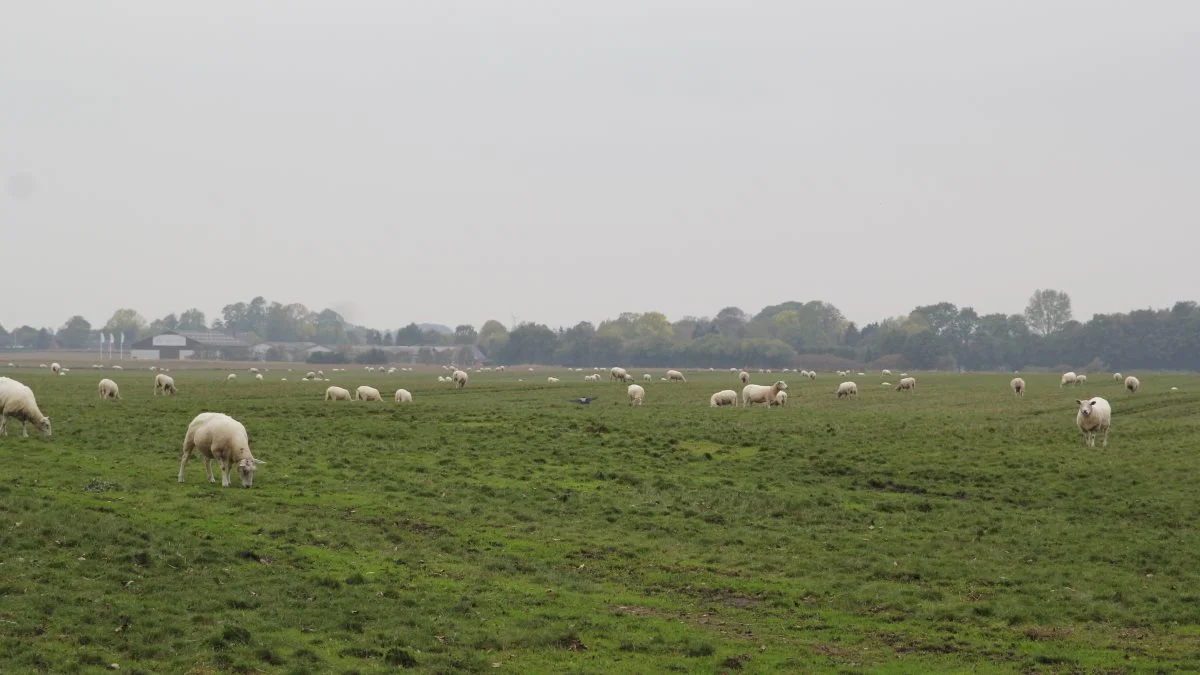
(952,528)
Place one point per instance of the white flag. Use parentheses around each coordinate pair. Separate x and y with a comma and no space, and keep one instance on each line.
(122,338)
(101,338)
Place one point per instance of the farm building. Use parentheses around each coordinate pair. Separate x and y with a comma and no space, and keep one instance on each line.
(189,344)
(287,351)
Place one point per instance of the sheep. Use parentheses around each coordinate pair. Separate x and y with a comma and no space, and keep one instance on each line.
(1080,379)
(42,365)
(1067,378)
(885,384)
(55,368)
(757,393)
(403,396)
(812,374)
(460,379)
(320,373)
(594,377)
(780,399)
(636,394)
(258,376)
(17,401)
(1173,389)
(1018,386)
(117,368)
(254,370)
(1117,377)
(744,377)
(365,393)
(675,376)
(617,373)
(723,398)
(907,384)
(847,390)
(219,436)
(647,377)
(552,380)
(1094,415)
(165,384)
(108,389)
(283,379)
(337,394)
(441,379)
(886,371)
(1133,384)
(662,379)
(391,371)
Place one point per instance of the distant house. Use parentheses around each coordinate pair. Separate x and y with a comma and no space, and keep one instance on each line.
(189,344)
(288,351)
(444,353)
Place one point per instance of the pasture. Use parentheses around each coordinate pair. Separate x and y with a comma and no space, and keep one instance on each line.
(501,528)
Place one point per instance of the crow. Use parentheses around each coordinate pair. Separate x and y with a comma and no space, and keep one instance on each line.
(585,400)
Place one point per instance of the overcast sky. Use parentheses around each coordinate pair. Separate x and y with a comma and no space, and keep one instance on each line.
(563,160)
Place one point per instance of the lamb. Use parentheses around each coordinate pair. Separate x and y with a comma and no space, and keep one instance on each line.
(310,375)
(812,374)
(1094,415)
(1018,386)
(55,368)
(164,384)
(231,377)
(441,379)
(17,401)
(1117,377)
(1080,379)
(258,376)
(744,377)
(757,393)
(723,398)
(552,380)
(617,373)
(217,435)
(403,396)
(1067,378)
(675,376)
(907,384)
(647,377)
(886,371)
(460,379)
(636,394)
(1133,384)
(780,399)
(365,393)
(108,389)
(847,390)
(337,394)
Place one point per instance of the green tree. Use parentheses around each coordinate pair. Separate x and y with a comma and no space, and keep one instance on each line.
(652,325)
(329,328)
(731,321)
(126,321)
(1048,311)
(75,333)
(465,335)
(411,335)
(193,319)
(490,332)
(43,340)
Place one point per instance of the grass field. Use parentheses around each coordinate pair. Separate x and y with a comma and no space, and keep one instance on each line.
(503,529)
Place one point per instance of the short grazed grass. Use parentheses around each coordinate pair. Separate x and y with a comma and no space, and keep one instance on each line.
(502,527)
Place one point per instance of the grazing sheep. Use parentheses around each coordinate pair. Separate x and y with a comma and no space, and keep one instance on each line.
(337,394)
(1173,389)
(723,398)
(1067,378)
(1080,379)
(886,371)
(885,384)
(460,379)
(907,384)
(55,368)
(617,373)
(1117,377)
(403,396)
(117,368)
(780,399)
(17,401)
(258,376)
(757,393)
(1094,415)
(552,380)
(1133,384)
(675,376)
(365,393)
(636,394)
(108,389)
(1018,386)
(310,375)
(441,379)
(744,377)
(231,377)
(42,365)
(847,390)
(164,384)
(812,374)
(254,370)
(219,436)
(647,377)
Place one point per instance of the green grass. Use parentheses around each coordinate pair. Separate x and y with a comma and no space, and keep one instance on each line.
(503,529)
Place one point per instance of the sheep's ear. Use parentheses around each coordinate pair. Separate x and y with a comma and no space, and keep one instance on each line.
(1078,401)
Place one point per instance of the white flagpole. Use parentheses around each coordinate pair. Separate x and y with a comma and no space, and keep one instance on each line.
(101,344)
(121,348)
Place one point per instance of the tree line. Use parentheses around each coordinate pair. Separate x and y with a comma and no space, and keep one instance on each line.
(812,334)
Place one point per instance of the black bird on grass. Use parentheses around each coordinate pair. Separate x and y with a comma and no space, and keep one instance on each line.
(584,400)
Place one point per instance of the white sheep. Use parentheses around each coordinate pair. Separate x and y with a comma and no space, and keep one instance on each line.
(675,376)
(258,376)
(1018,386)
(907,384)
(460,379)
(337,394)
(1080,379)
(744,377)
(780,399)
(885,384)
(164,384)
(636,394)
(757,393)
(231,377)
(886,371)
(1067,378)
(55,368)
(647,377)
(1133,384)
(723,398)
(1094,415)
(552,380)
(442,379)
(812,374)
(254,370)
(403,396)
(1117,377)
(617,373)
(219,436)
(117,368)
(108,389)
(365,393)
(17,401)
(847,390)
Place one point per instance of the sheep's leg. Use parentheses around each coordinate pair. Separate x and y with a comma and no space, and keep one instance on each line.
(24,429)
(208,468)
(1104,444)
(225,468)
(3,424)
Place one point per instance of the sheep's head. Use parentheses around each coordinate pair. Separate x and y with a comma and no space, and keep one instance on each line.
(781,385)
(44,426)
(1086,407)
(246,468)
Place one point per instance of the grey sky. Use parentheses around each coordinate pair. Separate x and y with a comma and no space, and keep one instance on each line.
(458,161)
